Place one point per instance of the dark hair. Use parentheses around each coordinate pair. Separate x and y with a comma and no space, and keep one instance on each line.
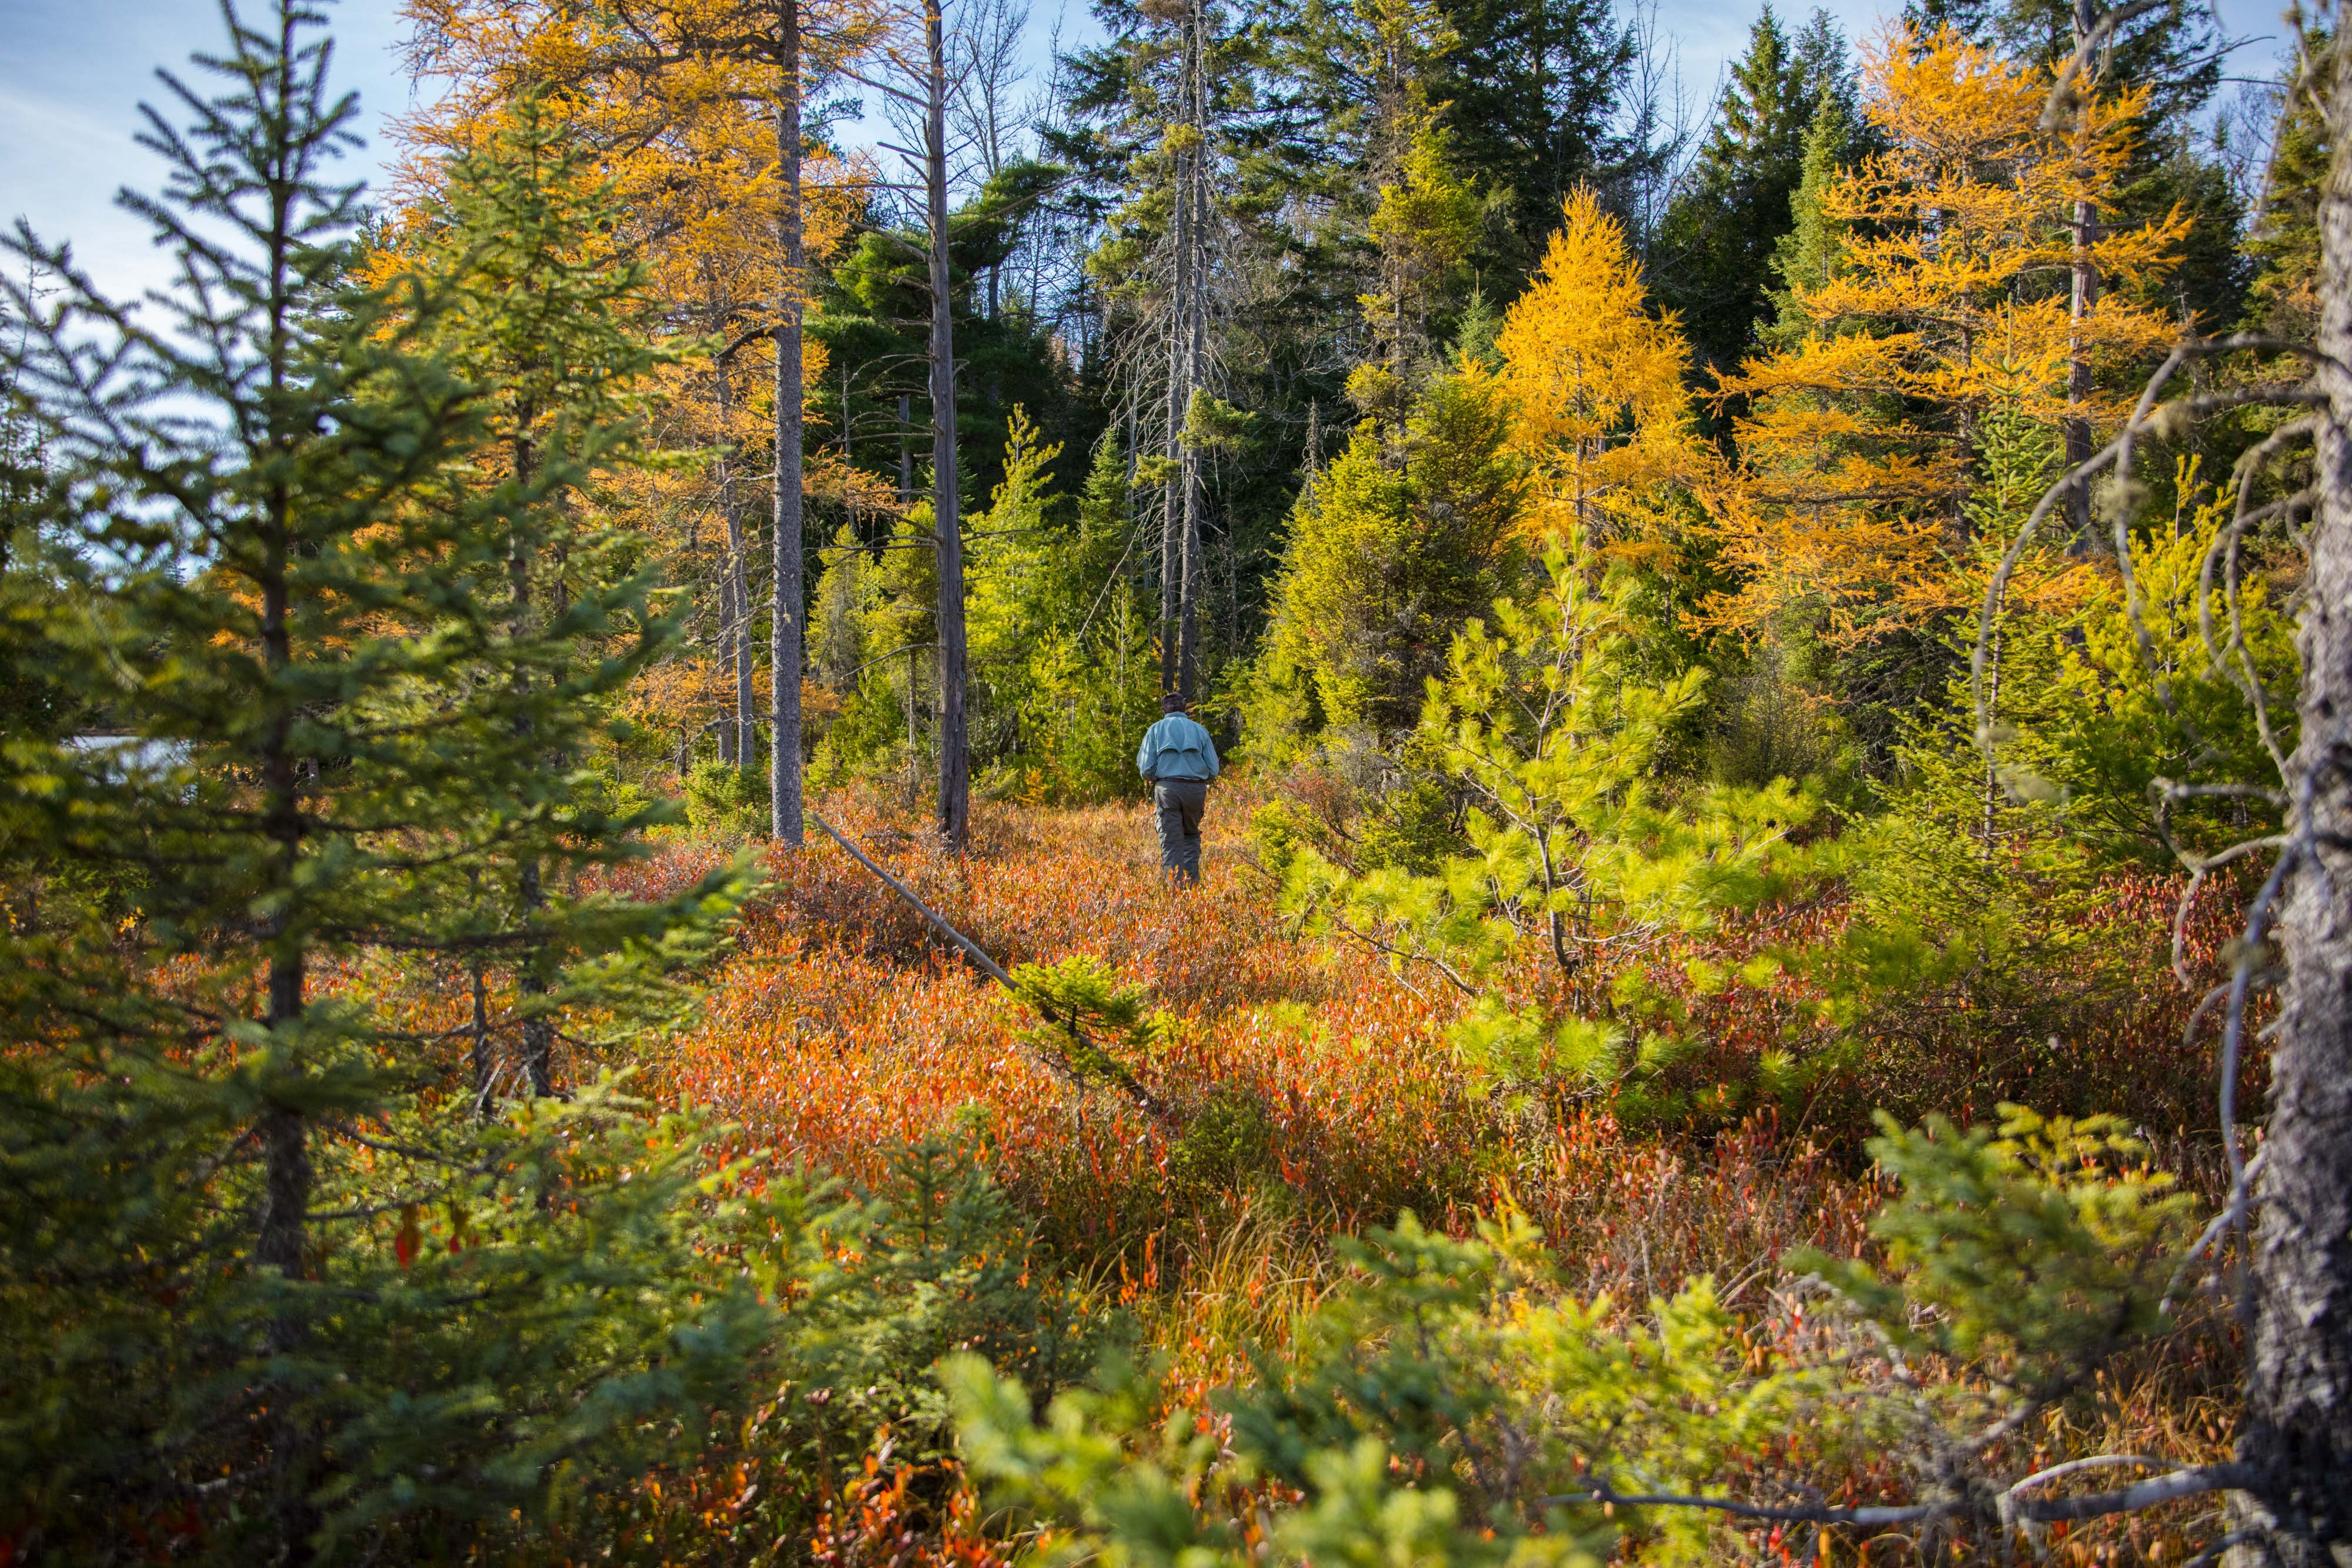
(1171,701)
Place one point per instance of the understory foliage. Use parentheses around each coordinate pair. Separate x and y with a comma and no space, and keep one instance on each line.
(1552,744)
(1061,656)
(1448,1400)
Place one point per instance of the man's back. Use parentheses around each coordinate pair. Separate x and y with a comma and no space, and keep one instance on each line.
(1176,748)
(1179,759)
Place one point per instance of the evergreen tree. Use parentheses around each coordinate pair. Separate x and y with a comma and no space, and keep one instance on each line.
(276,1261)
(2284,244)
(1060,633)
(1542,724)
(1387,560)
(1426,221)
(1724,229)
(530,306)
(1536,90)
(1812,250)
(32,700)
(884,609)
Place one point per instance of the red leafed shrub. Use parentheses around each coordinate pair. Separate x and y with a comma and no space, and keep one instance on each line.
(898,1515)
(1313,1093)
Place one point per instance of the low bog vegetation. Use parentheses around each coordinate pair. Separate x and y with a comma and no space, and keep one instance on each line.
(1313,1095)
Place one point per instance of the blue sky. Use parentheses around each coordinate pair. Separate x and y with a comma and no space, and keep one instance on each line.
(71,80)
(75,71)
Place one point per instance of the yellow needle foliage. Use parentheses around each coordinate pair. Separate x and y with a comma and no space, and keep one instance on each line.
(675,110)
(680,120)
(1603,417)
(1951,297)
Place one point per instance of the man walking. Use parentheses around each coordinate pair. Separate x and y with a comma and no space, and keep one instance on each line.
(1179,759)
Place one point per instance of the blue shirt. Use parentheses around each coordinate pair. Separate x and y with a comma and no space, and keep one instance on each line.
(1176,748)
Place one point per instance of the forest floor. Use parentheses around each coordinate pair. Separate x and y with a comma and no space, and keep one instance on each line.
(1317,1095)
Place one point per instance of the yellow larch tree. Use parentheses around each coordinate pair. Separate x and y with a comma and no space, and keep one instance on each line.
(686,105)
(1602,414)
(1949,297)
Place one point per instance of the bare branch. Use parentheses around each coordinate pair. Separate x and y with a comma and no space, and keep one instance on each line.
(1798,1513)
(2095,1462)
(2063,94)
(1149,1103)
(2141,1494)
(2163,1488)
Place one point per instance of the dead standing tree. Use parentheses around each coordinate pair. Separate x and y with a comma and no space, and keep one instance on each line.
(920,84)
(1195,279)
(1180,537)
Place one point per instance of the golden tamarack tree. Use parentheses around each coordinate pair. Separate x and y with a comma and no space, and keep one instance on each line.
(692,111)
(1604,417)
(1948,297)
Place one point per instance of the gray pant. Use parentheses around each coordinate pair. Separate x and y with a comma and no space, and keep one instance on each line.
(1181,801)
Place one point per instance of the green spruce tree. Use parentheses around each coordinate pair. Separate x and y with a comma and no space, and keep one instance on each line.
(1722,234)
(1812,249)
(1393,547)
(1539,105)
(280,1277)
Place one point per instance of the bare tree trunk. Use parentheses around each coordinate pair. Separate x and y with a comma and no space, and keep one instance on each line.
(955,776)
(786,632)
(737,648)
(747,696)
(906,452)
(2078,370)
(730,620)
(2298,1432)
(1188,632)
(1176,496)
(1172,515)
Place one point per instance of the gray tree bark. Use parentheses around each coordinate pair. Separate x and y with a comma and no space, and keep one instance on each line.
(735,593)
(1179,398)
(787,634)
(954,818)
(2298,1432)
(1179,526)
(729,619)
(1195,327)
(906,452)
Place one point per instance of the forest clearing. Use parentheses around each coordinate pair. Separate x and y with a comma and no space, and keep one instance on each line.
(1282,785)
(1312,1096)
